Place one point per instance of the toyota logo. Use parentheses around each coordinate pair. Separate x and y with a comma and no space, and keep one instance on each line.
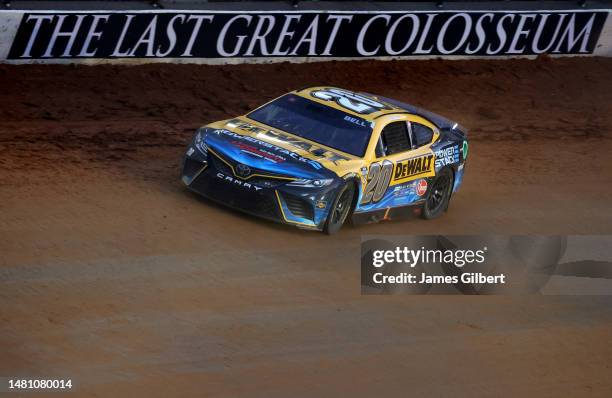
(242,170)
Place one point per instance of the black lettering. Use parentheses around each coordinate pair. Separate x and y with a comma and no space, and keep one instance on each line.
(412,167)
(399,169)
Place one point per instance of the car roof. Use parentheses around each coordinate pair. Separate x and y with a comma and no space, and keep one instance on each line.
(393,106)
(308,93)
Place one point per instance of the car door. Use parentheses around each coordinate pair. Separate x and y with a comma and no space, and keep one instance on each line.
(419,161)
(401,154)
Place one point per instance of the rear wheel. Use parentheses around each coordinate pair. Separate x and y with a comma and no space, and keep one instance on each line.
(340,209)
(439,195)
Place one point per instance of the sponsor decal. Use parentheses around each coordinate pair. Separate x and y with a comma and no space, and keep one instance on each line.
(260,153)
(421,187)
(410,169)
(354,120)
(237,182)
(464,149)
(404,189)
(210,34)
(321,204)
(265,144)
(418,187)
(314,150)
(446,156)
(378,179)
(351,101)
(190,151)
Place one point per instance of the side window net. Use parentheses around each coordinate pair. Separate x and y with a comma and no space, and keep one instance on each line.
(395,138)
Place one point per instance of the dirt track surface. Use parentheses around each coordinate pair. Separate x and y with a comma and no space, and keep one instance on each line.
(112,274)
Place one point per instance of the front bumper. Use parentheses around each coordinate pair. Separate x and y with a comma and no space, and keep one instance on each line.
(269,198)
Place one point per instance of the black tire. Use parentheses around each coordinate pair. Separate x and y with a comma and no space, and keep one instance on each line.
(340,209)
(439,195)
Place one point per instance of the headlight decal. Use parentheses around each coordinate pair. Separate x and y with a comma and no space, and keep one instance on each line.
(311,183)
(200,143)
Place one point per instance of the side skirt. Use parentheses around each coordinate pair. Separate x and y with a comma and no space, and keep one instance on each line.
(391,213)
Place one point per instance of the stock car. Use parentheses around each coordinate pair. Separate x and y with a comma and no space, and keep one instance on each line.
(318,156)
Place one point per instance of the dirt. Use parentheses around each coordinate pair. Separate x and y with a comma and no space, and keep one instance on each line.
(115,276)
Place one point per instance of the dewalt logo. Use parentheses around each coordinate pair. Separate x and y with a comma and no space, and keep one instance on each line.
(410,169)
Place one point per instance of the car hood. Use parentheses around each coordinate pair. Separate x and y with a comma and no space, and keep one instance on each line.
(244,141)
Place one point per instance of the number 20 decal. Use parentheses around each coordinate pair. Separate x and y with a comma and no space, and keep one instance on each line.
(349,100)
(379,177)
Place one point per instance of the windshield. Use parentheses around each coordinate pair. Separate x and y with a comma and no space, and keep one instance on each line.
(316,122)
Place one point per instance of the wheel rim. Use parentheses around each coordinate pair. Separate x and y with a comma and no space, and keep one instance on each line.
(438,194)
(342,207)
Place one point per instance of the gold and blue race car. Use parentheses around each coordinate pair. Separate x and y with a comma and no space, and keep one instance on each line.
(317,156)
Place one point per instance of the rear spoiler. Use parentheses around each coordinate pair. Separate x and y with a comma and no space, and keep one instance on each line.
(441,122)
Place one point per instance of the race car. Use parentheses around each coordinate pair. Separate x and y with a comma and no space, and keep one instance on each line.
(318,156)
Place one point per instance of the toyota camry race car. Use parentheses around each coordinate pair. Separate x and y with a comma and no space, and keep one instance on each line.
(317,156)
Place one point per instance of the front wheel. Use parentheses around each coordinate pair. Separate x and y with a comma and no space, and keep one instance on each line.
(340,209)
(439,195)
